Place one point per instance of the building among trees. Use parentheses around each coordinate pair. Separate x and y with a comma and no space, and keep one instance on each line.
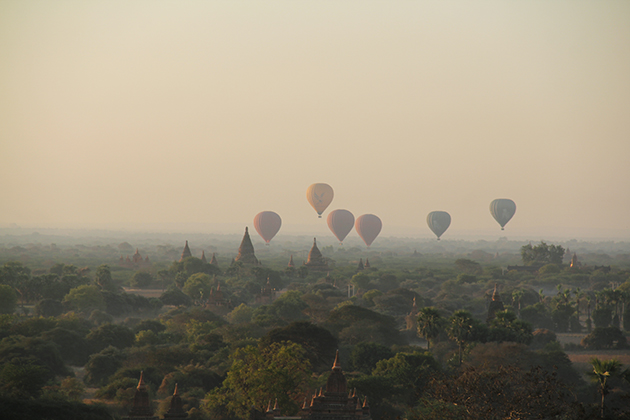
(316,260)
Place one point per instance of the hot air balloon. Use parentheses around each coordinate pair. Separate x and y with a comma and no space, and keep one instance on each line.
(340,222)
(368,227)
(267,224)
(438,222)
(502,210)
(319,196)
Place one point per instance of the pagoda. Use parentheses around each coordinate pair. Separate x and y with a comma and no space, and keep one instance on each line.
(360,266)
(214,261)
(203,257)
(335,403)
(177,409)
(316,261)
(185,253)
(246,251)
(141,409)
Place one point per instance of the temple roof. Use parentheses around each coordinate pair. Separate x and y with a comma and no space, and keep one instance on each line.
(246,250)
(315,257)
(186,252)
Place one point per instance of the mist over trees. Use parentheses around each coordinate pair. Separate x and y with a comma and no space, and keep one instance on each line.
(84,319)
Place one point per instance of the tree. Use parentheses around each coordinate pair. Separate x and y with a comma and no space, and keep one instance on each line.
(48,307)
(603,370)
(430,324)
(110,335)
(506,327)
(198,286)
(365,356)
(102,365)
(461,329)
(259,375)
(508,392)
(605,338)
(23,378)
(319,344)
(174,296)
(8,299)
(542,254)
(85,298)
(468,266)
(241,314)
(141,279)
(103,278)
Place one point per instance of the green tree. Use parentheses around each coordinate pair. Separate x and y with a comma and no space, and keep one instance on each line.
(603,370)
(241,314)
(198,286)
(258,376)
(430,324)
(542,254)
(365,356)
(102,365)
(141,279)
(460,329)
(468,266)
(319,344)
(8,299)
(85,298)
(48,307)
(23,378)
(110,335)
(103,278)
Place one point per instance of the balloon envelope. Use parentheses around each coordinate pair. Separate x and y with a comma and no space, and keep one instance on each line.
(502,210)
(340,222)
(438,222)
(368,227)
(320,197)
(267,224)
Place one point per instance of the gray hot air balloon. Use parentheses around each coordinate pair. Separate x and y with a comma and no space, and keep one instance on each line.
(438,222)
(502,210)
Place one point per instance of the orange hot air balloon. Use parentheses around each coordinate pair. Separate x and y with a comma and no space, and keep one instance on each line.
(340,222)
(267,224)
(320,197)
(368,227)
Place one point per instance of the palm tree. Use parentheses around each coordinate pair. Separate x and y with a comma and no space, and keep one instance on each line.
(460,329)
(517,295)
(430,324)
(602,371)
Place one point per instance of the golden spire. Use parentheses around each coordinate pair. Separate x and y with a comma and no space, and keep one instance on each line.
(141,381)
(175,392)
(336,365)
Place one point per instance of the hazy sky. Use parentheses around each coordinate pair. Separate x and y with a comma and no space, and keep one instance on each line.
(115,113)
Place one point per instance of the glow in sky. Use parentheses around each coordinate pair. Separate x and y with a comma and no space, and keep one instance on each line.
(114,113)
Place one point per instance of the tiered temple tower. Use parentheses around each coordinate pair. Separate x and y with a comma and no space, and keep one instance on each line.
(185,253)
(246,250)
(177,410)
(141,409)
(335,403)
(316,261)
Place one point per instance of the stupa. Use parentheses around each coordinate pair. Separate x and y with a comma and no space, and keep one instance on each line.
(246,251)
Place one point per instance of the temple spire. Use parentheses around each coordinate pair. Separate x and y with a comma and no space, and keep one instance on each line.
(203,257)
(246,250)
(186,252)
(336,364)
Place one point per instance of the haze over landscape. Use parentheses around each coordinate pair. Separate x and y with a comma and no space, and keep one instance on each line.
(195,116)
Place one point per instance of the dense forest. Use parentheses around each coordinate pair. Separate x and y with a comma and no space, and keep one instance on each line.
(425,330)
